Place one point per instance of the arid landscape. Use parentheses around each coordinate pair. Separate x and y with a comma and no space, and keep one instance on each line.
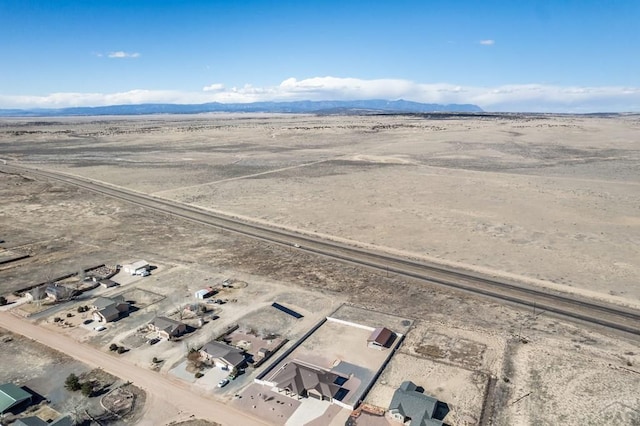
(546,201)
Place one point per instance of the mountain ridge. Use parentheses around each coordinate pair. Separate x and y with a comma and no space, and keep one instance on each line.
(371,106)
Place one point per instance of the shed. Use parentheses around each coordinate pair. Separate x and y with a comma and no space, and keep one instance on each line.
(136,267)
(107,283)
(12,396)
(263,353)
(202,294)
(380,338)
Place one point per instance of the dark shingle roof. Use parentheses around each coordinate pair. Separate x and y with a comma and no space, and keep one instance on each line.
(30,421)
(165,324)
(419,407)
(103,302)
(223,351)
(300,379)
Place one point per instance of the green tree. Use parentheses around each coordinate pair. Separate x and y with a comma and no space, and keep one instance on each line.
(87,388)
(72,383)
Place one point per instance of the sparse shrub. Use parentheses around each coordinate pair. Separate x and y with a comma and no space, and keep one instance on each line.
(629,363)
(72,383)
(69,315)
(87,388)
(113,347)
(3,301)
(155,360)
(57,319)
(121,349)
(17,294)
(198,375)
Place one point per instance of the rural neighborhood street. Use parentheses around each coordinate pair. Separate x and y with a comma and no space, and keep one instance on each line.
(167,400)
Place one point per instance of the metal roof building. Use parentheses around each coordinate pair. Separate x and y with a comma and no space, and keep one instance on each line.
(12,396)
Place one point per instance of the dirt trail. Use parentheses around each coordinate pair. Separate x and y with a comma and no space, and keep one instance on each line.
(167,399)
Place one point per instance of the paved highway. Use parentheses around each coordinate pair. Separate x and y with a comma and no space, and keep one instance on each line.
(578,308)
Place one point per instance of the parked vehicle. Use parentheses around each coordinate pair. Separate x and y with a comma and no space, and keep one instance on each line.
(222,383)
(100,328)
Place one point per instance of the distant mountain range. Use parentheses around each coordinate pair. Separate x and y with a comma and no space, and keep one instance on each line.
(318,107)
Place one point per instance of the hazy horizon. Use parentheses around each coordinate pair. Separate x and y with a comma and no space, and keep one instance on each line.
(573,57)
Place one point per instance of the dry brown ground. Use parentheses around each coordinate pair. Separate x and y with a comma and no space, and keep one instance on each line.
(568,184)
(554,200)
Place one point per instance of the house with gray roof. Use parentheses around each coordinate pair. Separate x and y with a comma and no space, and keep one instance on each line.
(412,408)
(59,292)
(299,380)
(222,355)
(30,421)
(106,309)
(37,421)
(167,328)
(12,396)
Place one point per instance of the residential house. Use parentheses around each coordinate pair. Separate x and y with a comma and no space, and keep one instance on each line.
(380,338)
(167,328)
(59,292)
(37,421)
(299,380)
(413,408)
(12,396)
(222,355)
(106,309)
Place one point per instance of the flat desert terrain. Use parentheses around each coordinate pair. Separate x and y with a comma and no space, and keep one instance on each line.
(552,200)
(547,200)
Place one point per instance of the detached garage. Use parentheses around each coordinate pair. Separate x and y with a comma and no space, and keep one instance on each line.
(136,268)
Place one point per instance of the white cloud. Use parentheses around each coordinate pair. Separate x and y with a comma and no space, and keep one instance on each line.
(521,97)
(487,42)
(121,54)
(215,87)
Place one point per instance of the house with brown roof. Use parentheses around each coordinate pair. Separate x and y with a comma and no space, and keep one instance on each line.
(167,328)
(107,309)
(381,338)
(222,355)
(304,381)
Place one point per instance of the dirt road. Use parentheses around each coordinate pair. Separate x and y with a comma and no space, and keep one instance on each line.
(167,400)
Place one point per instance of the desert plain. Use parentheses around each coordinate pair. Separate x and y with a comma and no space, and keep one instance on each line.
(546,200)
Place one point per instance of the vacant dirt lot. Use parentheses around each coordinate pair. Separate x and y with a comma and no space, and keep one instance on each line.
(552,199)
(44,371)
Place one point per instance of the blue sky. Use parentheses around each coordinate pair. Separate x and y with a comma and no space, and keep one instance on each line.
(523,55)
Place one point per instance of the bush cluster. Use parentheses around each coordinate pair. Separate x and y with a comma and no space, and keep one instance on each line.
(73,384)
